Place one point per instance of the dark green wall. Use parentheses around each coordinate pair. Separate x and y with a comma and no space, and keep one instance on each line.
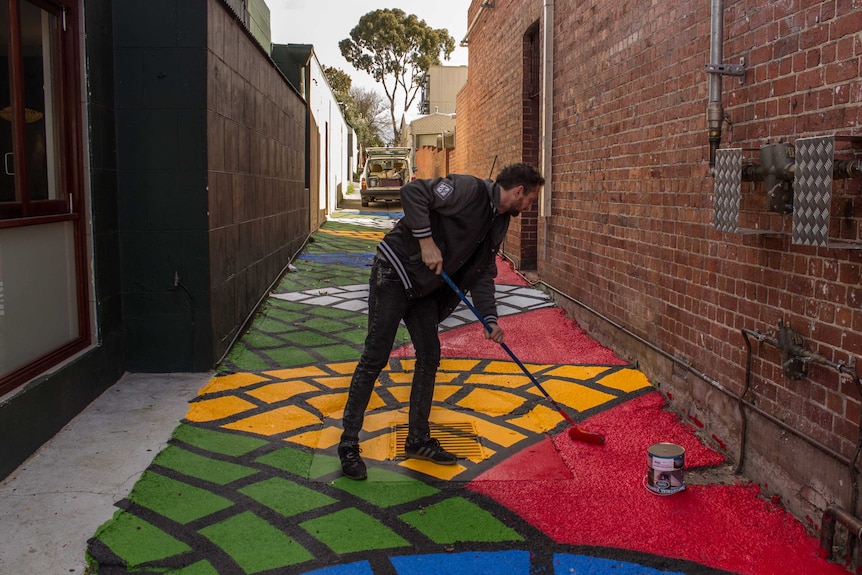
(160,62)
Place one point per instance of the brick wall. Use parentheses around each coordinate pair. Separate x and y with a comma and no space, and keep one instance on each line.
(432,162)
(630,234)
(491,107)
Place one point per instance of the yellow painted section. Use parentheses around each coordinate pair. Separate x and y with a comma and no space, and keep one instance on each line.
(376,448)
(235,381)
(296,372)
(401,393)
(344,368)
(407,377)
(332,404)
(384,419)
(458,365)
(370,236)
(281,391)
(582,372)
(445,472)
(496,433)
(406,365)
(218,408)
(502,380)
(324,438)
(512,367)
(540,419)
(627,380)
(277,421)
(491,402)
(335,382)
(310,439)
(573,395)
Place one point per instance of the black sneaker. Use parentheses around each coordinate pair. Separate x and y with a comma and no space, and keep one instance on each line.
(429,449)
(351,464)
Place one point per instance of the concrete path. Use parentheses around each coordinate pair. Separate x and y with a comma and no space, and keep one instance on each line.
(250,481)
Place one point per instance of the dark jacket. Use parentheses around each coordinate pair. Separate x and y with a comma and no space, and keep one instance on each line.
(461,214)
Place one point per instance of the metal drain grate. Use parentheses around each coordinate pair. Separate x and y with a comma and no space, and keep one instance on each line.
(459,438)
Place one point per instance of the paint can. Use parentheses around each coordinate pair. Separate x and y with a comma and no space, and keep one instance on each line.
(665,468)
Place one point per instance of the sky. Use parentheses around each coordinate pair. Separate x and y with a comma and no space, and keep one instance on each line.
(324,23)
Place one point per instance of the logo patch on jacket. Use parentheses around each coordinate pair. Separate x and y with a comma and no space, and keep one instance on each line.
(443,189)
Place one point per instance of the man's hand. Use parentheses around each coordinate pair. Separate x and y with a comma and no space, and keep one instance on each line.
(496,333)
(431,255)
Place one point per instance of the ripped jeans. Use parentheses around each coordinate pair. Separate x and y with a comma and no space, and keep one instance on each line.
(387,306)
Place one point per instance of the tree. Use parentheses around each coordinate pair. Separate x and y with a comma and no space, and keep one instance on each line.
(361,108)
(397,50)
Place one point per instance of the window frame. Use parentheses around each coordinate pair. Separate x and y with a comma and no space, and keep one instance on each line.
(70,158)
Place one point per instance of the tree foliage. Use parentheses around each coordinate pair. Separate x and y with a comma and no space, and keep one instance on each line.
(361,108)
(397,50)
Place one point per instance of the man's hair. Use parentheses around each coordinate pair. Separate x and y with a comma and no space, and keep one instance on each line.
(521,174)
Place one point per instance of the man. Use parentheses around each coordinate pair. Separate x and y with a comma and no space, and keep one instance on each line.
(455,223)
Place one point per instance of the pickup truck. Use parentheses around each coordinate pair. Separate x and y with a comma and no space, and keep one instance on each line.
(386,170)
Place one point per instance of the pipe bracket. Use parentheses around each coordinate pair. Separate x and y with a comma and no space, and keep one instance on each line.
(728,69)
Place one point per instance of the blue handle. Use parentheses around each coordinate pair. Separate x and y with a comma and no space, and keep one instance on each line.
(504,346)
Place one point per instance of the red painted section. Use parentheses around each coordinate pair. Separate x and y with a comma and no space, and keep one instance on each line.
(607,505)
(506,274)
(568,343)
(539,460)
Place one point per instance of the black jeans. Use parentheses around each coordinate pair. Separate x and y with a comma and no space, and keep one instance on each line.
(387,306)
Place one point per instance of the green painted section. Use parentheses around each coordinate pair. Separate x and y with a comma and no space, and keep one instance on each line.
(270,325)
(351,530)
(288,459)
(286,497)
(357,336)
(324,325)
(288,357)
(194,465)
(281,316)
(334,313)
(136,541)
(323,465)
(243,359)
(176,500)
(385,488)
(310,339)
(457,519)
(338,353)
(216,441)
(261,341)
(255,544)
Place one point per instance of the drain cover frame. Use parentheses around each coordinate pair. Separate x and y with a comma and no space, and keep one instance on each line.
(458,437)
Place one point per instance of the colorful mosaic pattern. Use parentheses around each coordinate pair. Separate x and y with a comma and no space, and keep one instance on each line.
(250,482)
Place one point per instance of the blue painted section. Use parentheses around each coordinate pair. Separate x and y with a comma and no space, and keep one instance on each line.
(358,568)
(568,564)
(469,563)
(358,260)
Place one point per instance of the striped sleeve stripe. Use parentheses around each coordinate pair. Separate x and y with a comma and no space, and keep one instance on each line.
(491,318)
(396,264)
(422,232)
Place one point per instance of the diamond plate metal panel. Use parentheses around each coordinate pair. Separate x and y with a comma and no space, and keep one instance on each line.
(728,189)
(812,190)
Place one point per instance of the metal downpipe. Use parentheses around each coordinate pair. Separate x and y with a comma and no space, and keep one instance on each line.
(714,110)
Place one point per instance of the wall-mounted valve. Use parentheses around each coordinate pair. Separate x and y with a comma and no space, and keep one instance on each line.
(794,359)
(776,168)
(797,179)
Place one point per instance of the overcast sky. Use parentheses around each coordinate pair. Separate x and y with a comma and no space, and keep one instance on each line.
(324,23)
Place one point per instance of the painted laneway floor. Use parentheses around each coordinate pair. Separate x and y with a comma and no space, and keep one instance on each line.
(250,482)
